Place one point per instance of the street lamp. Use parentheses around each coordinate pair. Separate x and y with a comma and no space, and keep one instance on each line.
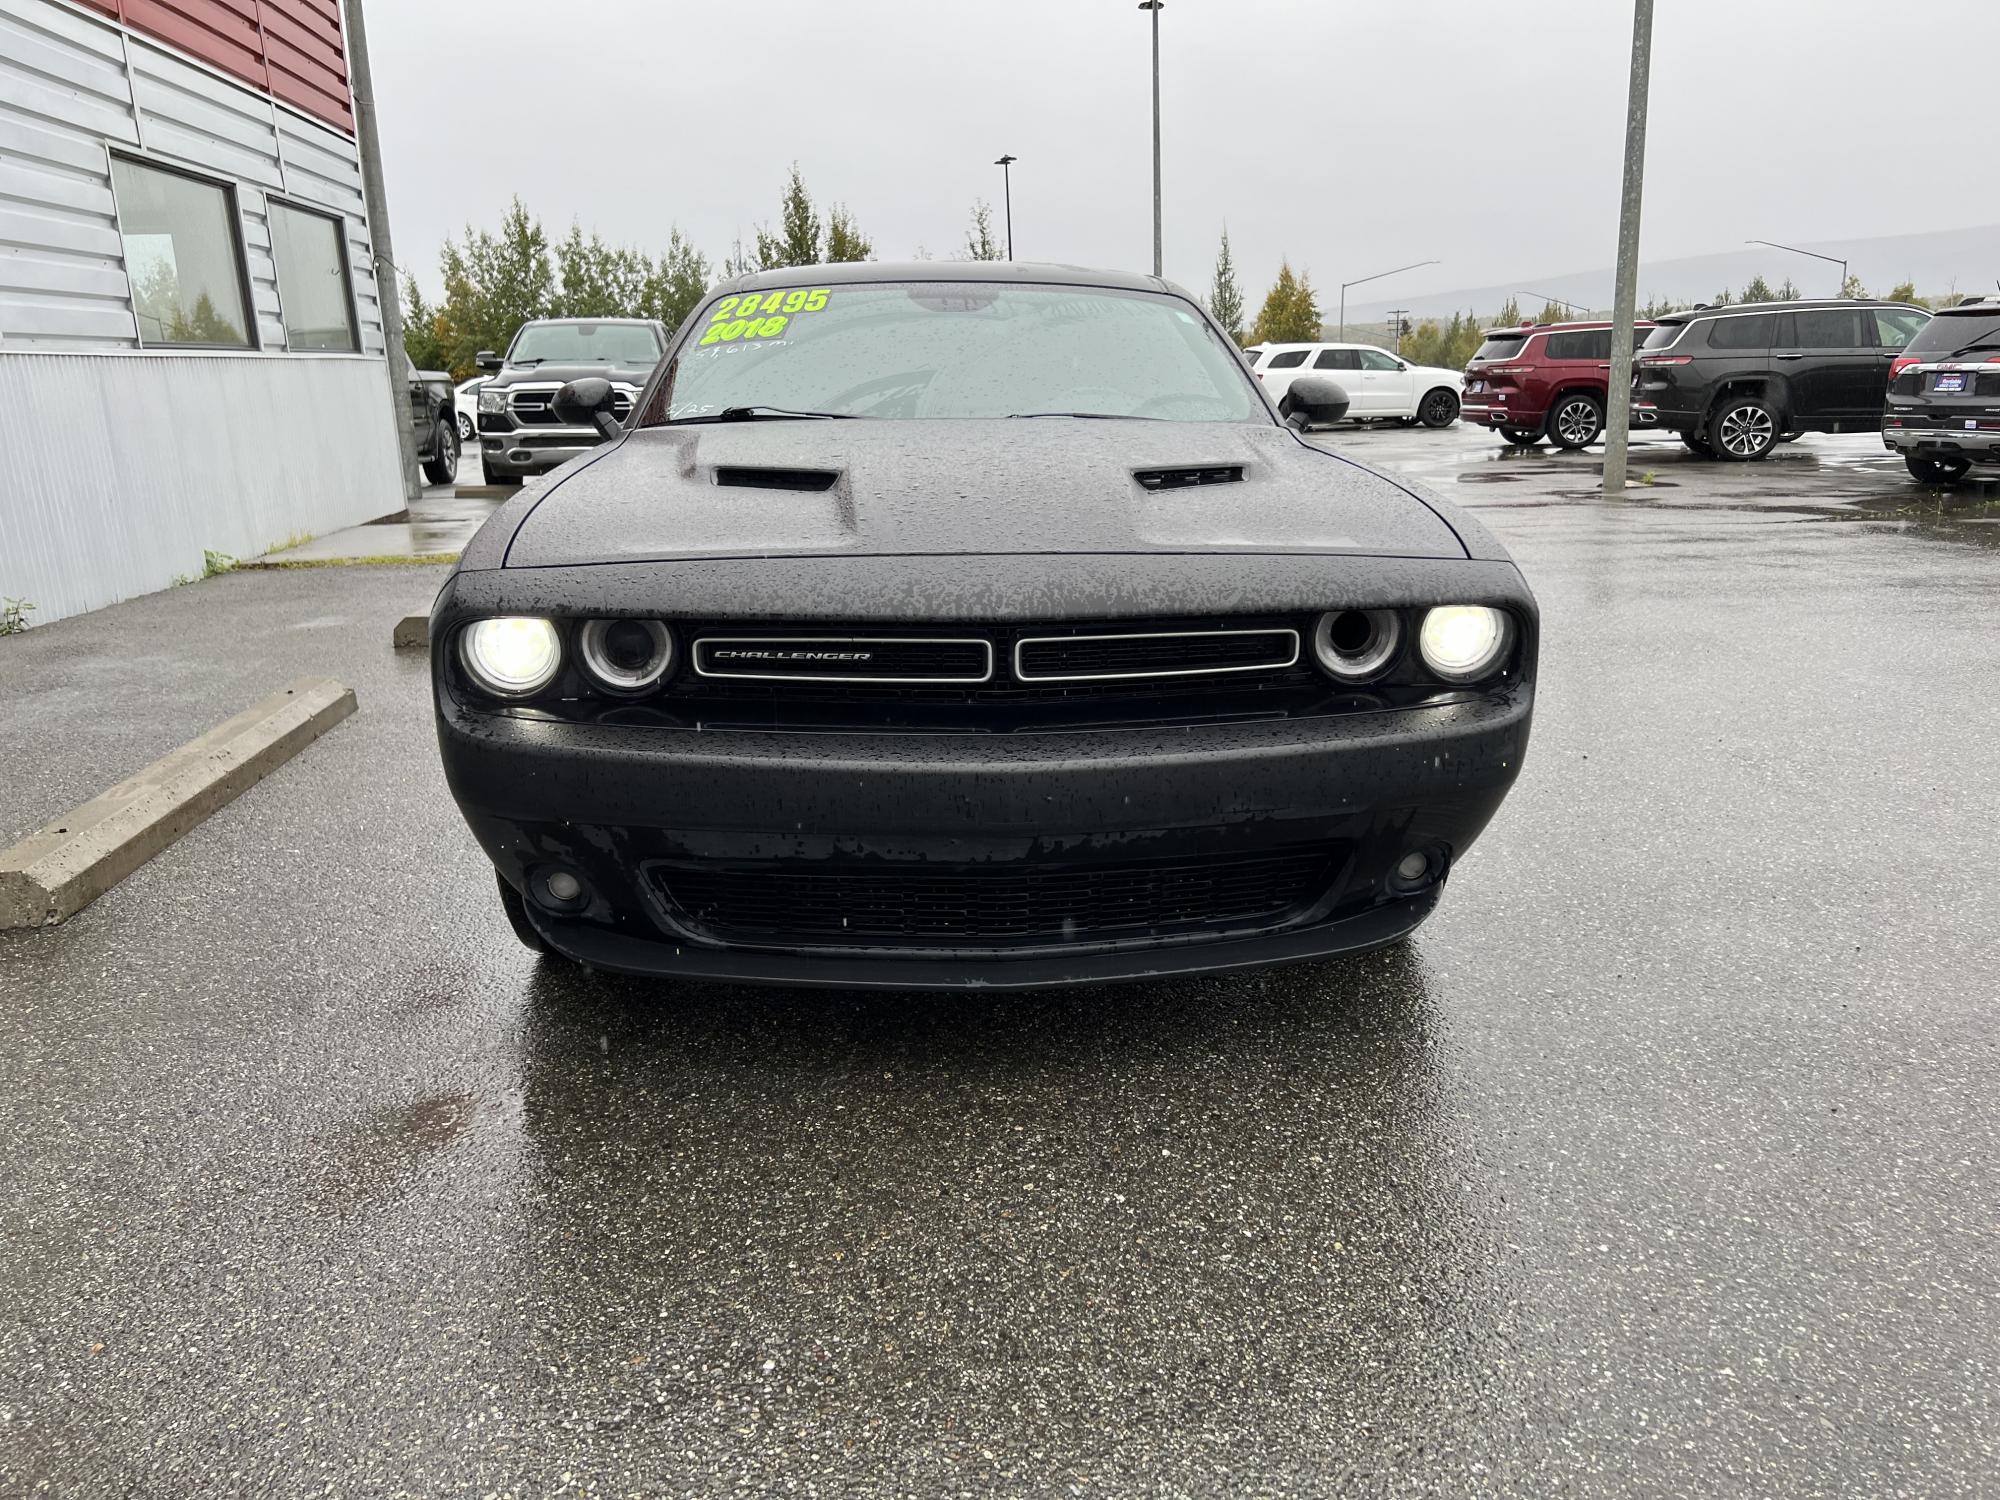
(1557,301)
(1156,6)
(1831,259)
(1005,164)
(1363,280)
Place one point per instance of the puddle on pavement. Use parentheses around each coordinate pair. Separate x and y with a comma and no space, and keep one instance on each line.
(376,1156)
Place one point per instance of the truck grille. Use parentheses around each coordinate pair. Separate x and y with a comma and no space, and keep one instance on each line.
(537,407)
(1020,904)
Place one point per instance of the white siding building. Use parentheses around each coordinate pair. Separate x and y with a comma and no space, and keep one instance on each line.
(191,347)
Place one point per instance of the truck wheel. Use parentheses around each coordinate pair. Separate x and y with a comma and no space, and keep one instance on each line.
(1577,421)
(1521,437)
(1743,428)
(1936,470)
(516,907)
(442,466)
(1439,409)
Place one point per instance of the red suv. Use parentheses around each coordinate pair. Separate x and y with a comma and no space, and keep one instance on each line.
(1548,381)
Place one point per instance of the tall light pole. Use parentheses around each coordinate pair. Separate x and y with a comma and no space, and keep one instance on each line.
(1364,280)
(1832,259)
(1558,302)
(1159,258)
(1618,421)
(1006,166)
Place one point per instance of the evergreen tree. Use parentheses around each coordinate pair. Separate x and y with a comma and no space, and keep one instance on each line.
(1509,315)
(1552,312)
(799,244)
(844,240)
(1788,290)
(1906,291)
(597,280)
(1722,298)
(1759,290)
(1225,297)
(1851,287)
(492,285)
(674,283)
(1291,312)
(979,241)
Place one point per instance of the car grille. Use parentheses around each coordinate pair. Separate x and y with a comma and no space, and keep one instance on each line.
(1016,904)
(1085,658)
(537,408)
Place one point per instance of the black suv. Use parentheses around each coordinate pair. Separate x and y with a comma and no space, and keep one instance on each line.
(1734,381)
(1944,394)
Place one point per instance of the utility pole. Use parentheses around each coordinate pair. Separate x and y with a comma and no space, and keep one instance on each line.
(1399,320)
(1006,166)
(362,80)
(1159,251)
(1618,421)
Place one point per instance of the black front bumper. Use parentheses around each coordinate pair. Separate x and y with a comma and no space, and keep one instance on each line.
(624,807)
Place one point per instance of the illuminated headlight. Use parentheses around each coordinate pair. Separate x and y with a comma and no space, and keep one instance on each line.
(511,657)
(492,403)
(1357,645)
(1465,642)
(626,656)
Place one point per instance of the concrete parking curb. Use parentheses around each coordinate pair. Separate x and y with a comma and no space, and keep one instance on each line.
(412,633)
(58,870)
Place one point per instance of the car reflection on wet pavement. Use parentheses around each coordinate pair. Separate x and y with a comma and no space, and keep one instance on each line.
(1660,1162)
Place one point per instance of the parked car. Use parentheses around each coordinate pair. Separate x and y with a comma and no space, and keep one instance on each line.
(828,670)
(433,422)
(519,432)
(1943,414)
(466,403)
(1733,381)
(1379,385)
(1551,381)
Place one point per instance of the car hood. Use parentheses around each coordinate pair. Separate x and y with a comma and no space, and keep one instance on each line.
(895,488)
(563,374)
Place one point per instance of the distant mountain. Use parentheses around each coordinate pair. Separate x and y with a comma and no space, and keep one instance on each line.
(1962,260)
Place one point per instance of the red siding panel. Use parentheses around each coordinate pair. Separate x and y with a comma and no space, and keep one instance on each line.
(293,50)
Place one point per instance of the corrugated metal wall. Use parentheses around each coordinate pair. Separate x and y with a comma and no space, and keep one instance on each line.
(71,86)
(292,49)
(117,471)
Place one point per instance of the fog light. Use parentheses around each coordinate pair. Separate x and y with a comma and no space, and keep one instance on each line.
(558,889)
(565,887)
(1418,870)
(511,657)
(1464,642)
(1413,868)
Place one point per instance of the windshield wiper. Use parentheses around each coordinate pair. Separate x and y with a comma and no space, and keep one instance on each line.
(776,414)
(1087,416)
(528,363)
(1969,348)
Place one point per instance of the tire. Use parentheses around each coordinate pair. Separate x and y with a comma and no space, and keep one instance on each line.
(1521,437)
(442,466)
(1743,429)
(1576,421)
(1936,470)
(1697,444)
(464,429)
(1439,408)
(516,907)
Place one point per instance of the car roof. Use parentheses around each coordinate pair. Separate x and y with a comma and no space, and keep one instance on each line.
(635,322)
(849,273)
(1578,325)
(1803,304)
(1315,346)
(1982,306)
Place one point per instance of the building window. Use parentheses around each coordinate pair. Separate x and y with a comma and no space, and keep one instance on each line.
(312,279)
(183,256)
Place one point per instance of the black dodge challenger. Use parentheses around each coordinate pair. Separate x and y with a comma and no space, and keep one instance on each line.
(973,625)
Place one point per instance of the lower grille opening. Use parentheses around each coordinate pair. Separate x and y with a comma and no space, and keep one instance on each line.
(1016,903)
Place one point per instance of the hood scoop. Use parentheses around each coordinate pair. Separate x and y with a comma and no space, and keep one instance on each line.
(809,481)
(1187,479)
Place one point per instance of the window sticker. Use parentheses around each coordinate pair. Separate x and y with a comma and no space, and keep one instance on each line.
(753,316)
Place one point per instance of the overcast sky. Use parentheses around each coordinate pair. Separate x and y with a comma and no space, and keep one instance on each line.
(1350,135)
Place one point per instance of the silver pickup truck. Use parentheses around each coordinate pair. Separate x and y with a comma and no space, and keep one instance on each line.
(518,431)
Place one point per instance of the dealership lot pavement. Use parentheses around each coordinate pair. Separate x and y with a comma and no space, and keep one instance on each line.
(1661,1162)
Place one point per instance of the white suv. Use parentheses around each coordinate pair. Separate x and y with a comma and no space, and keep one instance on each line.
(1378,383)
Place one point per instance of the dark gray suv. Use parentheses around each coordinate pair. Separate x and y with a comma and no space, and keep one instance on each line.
(1944,394)
(518,431)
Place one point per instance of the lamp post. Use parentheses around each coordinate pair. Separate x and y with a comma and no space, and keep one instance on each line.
(1625,299)
(1558,302)
(1364,280)
(1831,259)
(1006,165)
(1159,261)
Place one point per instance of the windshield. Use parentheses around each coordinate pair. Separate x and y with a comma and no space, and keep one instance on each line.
(1500,346)
(930,349)
(1951,331)
(629,344)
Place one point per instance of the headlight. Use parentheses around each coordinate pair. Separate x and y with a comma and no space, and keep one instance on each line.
(511,657)
(1357,645)
(492,403)
(1464,642)
(627,656)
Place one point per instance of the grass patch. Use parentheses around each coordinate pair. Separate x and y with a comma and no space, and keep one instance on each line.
(14,616)
(213,565)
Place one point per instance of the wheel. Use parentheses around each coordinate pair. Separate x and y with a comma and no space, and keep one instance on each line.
(1521,437)
(1744,428)
(1698,444)
(442,466)
(1936,470)
(516,907)
(464,429)
(1577,421)
(1438,409)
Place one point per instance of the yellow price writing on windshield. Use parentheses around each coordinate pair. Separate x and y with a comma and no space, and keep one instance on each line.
(761,315)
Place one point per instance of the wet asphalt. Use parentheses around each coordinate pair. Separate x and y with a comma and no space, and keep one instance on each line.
(1660,1163)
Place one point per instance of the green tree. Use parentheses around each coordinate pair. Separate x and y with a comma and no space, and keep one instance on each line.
(1552,312)
(1906,291)
(1788,290)
(979,241)
(1722,298)
(1225,297)
(1851,287)
(597,280)
(1759,290)
(1509,315)
(844,240)
(799,243)
(423,328)
(674,283)
(1291,312)
(493,283)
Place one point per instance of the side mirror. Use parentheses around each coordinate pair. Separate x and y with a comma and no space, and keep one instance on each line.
(587,403)
(486,359)
(1313,401)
